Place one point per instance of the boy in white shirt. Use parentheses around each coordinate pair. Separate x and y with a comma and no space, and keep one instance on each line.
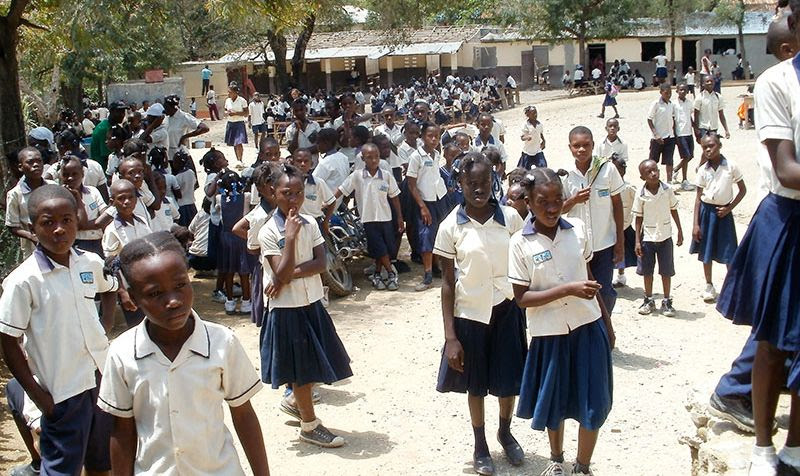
(389,128)
(612,144)
(256,117)
(318,196)
(661,120)
(684,131)
(29,163)
(689,80)
(198,250)
(486,138)
(652,207)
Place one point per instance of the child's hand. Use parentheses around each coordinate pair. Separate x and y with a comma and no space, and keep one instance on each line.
(638,249)
(619,251)
(426,215)
(680,238)
(723,211)
(326,228)
(455,355)
(583,195)
(45,404)
(293,224)
(401,227)
(584,289)
(697,234)
(273,289)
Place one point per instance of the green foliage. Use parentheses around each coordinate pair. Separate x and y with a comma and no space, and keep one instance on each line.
(730,12)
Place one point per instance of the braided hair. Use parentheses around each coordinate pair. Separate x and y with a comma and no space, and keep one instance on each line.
(230,185)
(148,246)
(540,176)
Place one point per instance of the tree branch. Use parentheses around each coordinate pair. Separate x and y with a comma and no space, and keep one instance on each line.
(30,24)
(15,11)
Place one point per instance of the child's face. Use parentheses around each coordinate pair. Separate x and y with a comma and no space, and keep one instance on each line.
(384,147)
(463,143)
(56,225)
(160,286)
(220,163)
(161,184)
(302,160)
(532,114)
(477,186)
(132,171)
(682,90)
(711,147)
(271,153)
(612,128)
(708,84)
(581,146)
(71,175)
(545,203)
(485,126)
(349,104)
(431,137)
(648,171)
(124,199)
(421,112)
(30,164)
(371,157)
(266,191)
(450,153)
(289,194)
(666,94)
(516,199)
(388,117)
(299,112)
(411,134)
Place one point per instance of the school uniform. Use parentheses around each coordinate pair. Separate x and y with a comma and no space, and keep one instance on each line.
(187,182)
(598,215)
(166,215)
(215,220)
(655,210)
(759,288)
(17,212)
(607,148)
(424,167)
(628,195)
(479,145)
(683,128)
(317,197)
(177,405)
(256,218)
(198,250)
(662,114)
(488,323)
(532,154)
(395,134)
(568,371)
(235,131)
(372,199)
(304,140)
(708,105)
(718,241)
(145,198)
(299,344)
(233,256)
(119,233)
(333,168)
(52,306)
(256,115)
(95,205)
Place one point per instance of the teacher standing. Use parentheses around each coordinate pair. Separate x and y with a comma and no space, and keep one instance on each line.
(237,112)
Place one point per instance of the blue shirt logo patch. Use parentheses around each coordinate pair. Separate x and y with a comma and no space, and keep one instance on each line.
(282,243)
(384,187)
(93,206)
(87,277)
(540,258)
(428,163)
(603,192)
(311,197)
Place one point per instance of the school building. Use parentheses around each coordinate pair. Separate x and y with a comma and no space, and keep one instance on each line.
(396,57)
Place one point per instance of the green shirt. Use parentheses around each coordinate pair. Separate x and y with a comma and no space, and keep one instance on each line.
(99,150)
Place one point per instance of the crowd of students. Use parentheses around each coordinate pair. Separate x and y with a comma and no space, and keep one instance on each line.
(526,256)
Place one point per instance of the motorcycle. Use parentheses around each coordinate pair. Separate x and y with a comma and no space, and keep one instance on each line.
(345,242)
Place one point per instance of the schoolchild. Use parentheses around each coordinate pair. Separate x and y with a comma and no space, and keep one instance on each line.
(684,140)
(485,344)
(612,144)
(390,128)
(515,198)
(592,190)
(302,133)
(214,163)
(411,134)
(333,167)
(709,110)
(198,249)
(157,159)
(90,234)
(165,380)
(299,344)
(233,257)
(375,189)
(661,119)
(187,182)
(532,141)
(65,350)
(426,186)
(117,135)
(628,195)
(486,138)
(318,196)
(454,196)
(714,232)
(654,204)
(496,159)
(167,214)
(610,99)
(569,356)
(29,164)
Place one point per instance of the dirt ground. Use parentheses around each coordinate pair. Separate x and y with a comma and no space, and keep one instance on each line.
(389,412)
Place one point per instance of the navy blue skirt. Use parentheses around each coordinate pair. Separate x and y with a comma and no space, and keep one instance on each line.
(718,242)
(233,256)
(631,260)
(187,213)
(568,376)
(761,286)
(299,345)
(527,162)
(257,294)
(213,242)
(494,354)
(235,133)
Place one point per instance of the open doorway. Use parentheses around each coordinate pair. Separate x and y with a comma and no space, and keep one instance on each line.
(689,49)
(597,56)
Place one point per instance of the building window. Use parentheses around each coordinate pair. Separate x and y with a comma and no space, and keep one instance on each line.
(722,45)
(485,57)
(409,61)
(349,64)
(651,49)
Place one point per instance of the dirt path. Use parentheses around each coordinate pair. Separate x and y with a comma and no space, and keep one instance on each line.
(394,420)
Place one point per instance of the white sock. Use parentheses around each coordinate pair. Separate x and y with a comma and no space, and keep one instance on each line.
(764,455)
(312,425)
(790,455)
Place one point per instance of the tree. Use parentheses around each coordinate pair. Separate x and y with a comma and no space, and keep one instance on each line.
(674,13)
(732,12)
(557,21)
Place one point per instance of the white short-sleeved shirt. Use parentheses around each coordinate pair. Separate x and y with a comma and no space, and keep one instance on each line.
(578,76)
(638,82)
(627,195)
(663,116)
(166,215)
(479,145)
(94,176)
(425,168)
(655,211)
(256,110)
(596,73)
(480,252)
(179,124)
(177,405)
(684,110)
(145,199)
(17,211)
(533,145)
(689,77)
(317,106)
(119,233)
(372,192)
(186,180)
(216,213)
(299,292)
(709,104)
(598,212)
(333,168)
(53,307)
(237,105)
(404,152)
(317,196)
(87,126)
(256,218)
(661,61)
(777,116)
(395,134)
(199,230)
(607,148)
(304,141)
(540,263)
(95,205)
(159,137)
(717,184)
(211,97)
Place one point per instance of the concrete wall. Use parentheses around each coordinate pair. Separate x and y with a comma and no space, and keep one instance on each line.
(139,91)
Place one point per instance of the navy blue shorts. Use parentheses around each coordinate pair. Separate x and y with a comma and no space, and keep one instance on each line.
(651,251)
(685,147)
(15,396)
(661,72)
(529,161)
(427,233)
(259,128)
(664,151)
(77,435)
(380,238)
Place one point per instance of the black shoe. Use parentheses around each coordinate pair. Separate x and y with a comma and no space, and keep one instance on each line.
(401,266)
(483,465)
(513,451)
(738,411)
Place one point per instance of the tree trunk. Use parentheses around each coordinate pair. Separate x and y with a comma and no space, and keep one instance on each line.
(742,51)
(277,42)
(298,58)
(582,54)
(672,28)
